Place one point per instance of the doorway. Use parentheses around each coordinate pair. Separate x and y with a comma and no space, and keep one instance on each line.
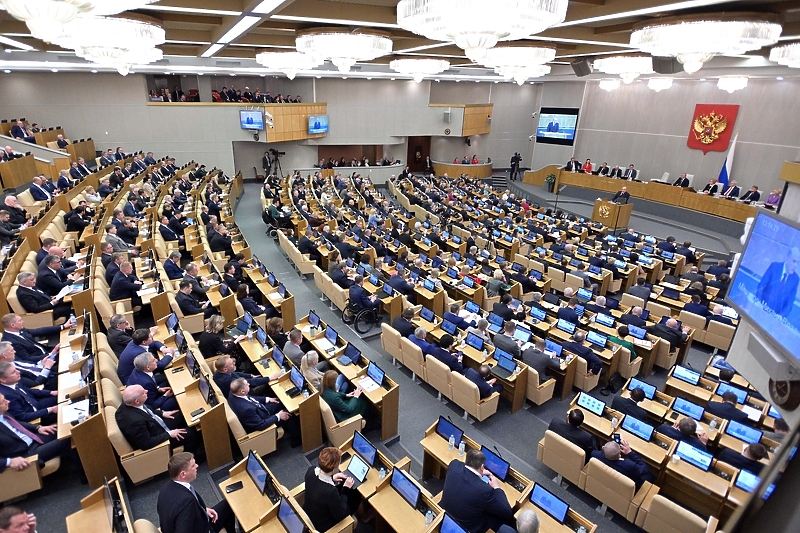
(419,147)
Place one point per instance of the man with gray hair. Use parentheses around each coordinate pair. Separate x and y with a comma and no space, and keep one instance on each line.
(17,212)
(527,522)
(27,404)
(157,397)
(172,266)
(34,300)
(481,330)
(119,333)
(146,428)
(31,374)
(621,458)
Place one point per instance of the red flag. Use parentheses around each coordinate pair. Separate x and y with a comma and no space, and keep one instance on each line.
(711,127)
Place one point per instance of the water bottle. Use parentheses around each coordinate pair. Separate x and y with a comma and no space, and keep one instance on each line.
(581,529)
(381,473)
(451,442)
(428,518)
(71,318)
(614,421)
(461,449)
(250,335)
(713,424)
(305,394)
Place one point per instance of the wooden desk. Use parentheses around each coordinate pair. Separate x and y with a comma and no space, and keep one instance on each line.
(655,453)
(700,394)
(611,214)
(601,427)
(432,300)
(93,515)
(83,149)
(564,376)
(394,513)
(213,423)
(386,399)
(306,408)
(481,170)
(250,506)
(18,172)
(702,492)
(373,479)
(548,524)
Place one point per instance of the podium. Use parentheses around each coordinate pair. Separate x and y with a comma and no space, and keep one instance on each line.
(612,215)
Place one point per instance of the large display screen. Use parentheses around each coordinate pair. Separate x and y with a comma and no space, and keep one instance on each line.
(765,282)
(318,124)
(251,120)
(557,125)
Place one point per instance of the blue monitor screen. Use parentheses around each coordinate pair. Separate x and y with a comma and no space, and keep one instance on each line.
(557,126)
(364,448)
(289,518)
(685,407)
(403,484)
(317,124)
(297,378)
(251,120)
(638,428)
(495,464)
(747,481)
(744,433)
(497,320)
(261,336)
(352,353)
(639,333)
(564,325)
(649,390)
(597,339)
(331,335)
(685,374)
(538,314)
(446,429)
(472,307)
(591,403)
(522,334)
(256,472)
(606,320)
(375,373)
(427,314)
(694,456)
(448,327)
(450,526)
(475,341)
(741,394)
(552,348)
(549,503)
(277,356)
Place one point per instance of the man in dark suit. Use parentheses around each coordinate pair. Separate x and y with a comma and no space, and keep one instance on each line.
(149,159)
(453,316)
(339,276)
(31,374)
(717,316)
(191,275)
(640,290)
(20,440)
(360,297)
(570,429)
(685,430)
(38,190)
(481,377)
(403,323)
(146,428)
(225,372)
(18,131)
(119,334)
(504,310)
(749,459)
(399,283)
(34,300)
(727,408)
(52,279)
(686,251)
(22,339)
(255,413)
(505,340)
(475,504)
(157,397)
(594,364)
(172,266)
(17,212)
(631,465)
(630,406)
(572,165)
(125,285)
(444,354)
(64,182)
(306,245)
(752,195)
(168,233)
(630,174)
(669,332)
(182,510)
(189,304)
(535,358)
(603,170)
(569,313)
(682,181)
(731,191)
(27,404)
(697,308)
(616,172)
(221,242)
(142,341)
(621,196)
(778,287)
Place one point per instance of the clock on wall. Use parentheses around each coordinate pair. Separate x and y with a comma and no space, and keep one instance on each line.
(785,394)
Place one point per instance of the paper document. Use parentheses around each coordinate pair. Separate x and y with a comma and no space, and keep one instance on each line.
(145,292)
(69,380)
(368,384)
(64,291)
(324,343)
(75,411)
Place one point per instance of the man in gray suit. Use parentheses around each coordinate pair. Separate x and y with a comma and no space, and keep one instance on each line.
(505,341)
(640,290)
(535,358)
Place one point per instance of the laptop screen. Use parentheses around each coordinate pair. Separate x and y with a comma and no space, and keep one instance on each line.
(387,289)
(375,373)
(472,307)
(172,322)
(331,335)
(256,472)
(590,403)
(549,503)
(636,331)
(364,448)
(552,348)
(297,378)
(446,429)
(452,272)
(612,303)
(289,518)
(497,320)
(638,428)
(522,334)
(448,327)
(598,339)
(358,467)
(685,407)
(496,464)
(352,353)
(427,314)
(261,336)
(745,480)
(694,456)
(672,294)
(538,314)
(744,433)
(649,390)
(475,341)
(450,526)
(535,274)
(584,294)
(277,356)
(564,325)
(606,320)
(242,326)
(741,394)
(468,282)
(403,484)
(686,374)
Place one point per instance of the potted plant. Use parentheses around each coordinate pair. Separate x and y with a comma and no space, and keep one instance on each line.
(550,182)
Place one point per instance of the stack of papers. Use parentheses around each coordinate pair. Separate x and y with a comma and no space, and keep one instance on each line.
(74,411)
(368,384)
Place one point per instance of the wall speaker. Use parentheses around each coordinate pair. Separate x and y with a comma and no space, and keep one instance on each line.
(467,141)
(581,67)
(667,65)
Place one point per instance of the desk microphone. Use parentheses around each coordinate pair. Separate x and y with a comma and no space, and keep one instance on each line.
(498,451)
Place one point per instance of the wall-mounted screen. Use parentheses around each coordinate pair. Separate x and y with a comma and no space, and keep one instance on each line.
(318,124)
(251,120)
(765,282)
(557,125)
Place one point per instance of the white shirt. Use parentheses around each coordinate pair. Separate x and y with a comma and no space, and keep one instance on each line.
(324,477)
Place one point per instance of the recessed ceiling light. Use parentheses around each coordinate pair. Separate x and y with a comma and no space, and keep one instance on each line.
(477,81)
(239,28)
(702,79)
(779,78)
(54,70)
(393,79)
(7,50)
(437,81)
(457,81)
(7,71)
(369,78)
(344,77)
(319,77)
(94,72)
(234,75)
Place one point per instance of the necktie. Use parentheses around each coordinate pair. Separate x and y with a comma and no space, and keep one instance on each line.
(157,418)
(199,500)
(19,428)
(26,396)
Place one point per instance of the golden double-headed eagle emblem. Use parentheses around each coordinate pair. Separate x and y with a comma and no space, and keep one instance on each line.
(604,211)
(708,127)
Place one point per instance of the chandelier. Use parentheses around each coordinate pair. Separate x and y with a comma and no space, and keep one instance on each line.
(290,63)
(788,55)
(478,25)
(732,83)
(694,42)
(659,84)
(45,18)
(627,67)
(113,42)
(519,62)
(342,47)
(419,68)
(609,85)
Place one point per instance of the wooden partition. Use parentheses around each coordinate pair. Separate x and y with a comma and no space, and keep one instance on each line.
(44,137)
(477,119)
(18,172)
(454,170)
(536,177)
(83,149)
(291,121)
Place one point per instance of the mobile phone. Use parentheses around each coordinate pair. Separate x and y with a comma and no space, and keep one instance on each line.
(617,438)
(197,413)
(72,331)
(233,487)
(345,457)
(176,370)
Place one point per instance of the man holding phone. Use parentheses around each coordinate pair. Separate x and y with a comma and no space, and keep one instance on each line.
(618,455)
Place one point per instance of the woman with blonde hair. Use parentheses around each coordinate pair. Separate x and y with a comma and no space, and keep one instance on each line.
(497,284)
(308,366)
(211,343)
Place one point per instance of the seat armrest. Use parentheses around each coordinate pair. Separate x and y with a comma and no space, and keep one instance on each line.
(712,524)
(641,494)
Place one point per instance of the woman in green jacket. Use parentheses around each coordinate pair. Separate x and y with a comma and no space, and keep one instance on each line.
(343,405)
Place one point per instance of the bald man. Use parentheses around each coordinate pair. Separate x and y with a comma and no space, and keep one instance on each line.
(621,458)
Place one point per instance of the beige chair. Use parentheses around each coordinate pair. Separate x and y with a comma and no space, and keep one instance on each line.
(657,310)
(583,380)
(439,377)
(573,281)
(664,357)
(627,368)
(339,432)
(467,396)
(557,278)
(563,456)
(539,392)
(631,301)
(660,515)
(144,526)
(345,525)
(112,396)
(263,442)
(613,489)
(17,483)
(138,464)
(413,359)
(101,342)
(719,335)
(108,369)
(696,322)
(191,323)
(319,281)
(32,320)
(390,342)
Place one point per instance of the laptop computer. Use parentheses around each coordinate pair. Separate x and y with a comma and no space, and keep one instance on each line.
(328,342)
(351,355)
(357,470)
(505,366)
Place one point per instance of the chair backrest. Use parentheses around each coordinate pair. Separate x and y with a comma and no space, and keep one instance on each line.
(108,369)
(118,440)
(144,526)
(617,490)
(658,310)
(410,349)
(715,327)
(666,516)
(571,280)
(13,302)
(563,456)
(533,377)
(233,422)
(465,387)
(328,420)
(101,342)
(631,301)
(112,397)
(438,371)
(692,320)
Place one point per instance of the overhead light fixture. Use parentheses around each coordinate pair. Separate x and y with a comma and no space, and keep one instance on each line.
(239,28)
(779,78)
(7,71)
(788,55)
(519,62)
(46,18)
(659,84)
(114,42)
(290,63)
(478,25)
(342,47)
(609,85)
(732,83)
(213,49)
(419,68)
(627,67)
(267,6)
(693,42)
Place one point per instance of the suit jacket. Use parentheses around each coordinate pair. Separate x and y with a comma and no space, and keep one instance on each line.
(741,462)
(177,226)
(140,430)
(484,388)
(119,339)
(188,304)
(254,416)
(180,512)
(630,465)
(341,279)
(629,407)
(630,174)
(155,399)
(569,314)
(593,362)
(425,346)
(681,182)
(731,192)
(111,271)
(615,173)
(198,291)
(123,287)
(508,344)
(125,365)
(63,183)
(621,197)
(672,336)
(130,210)
(26,404)
(751,196)
(403,326)
(504,311)
(26,347)
(471,501)
(325,504)
(173,271)
(447,358)
(105,190)
(776,294)
(727,411)
(572,166)
(640,292)
(400,285)
(360,297)
(633,320)
(39,193)
(460,322)
(674,434)
(117,243)
(33,300)
(539,361)
(168,234)
(579,437)
(13,446)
